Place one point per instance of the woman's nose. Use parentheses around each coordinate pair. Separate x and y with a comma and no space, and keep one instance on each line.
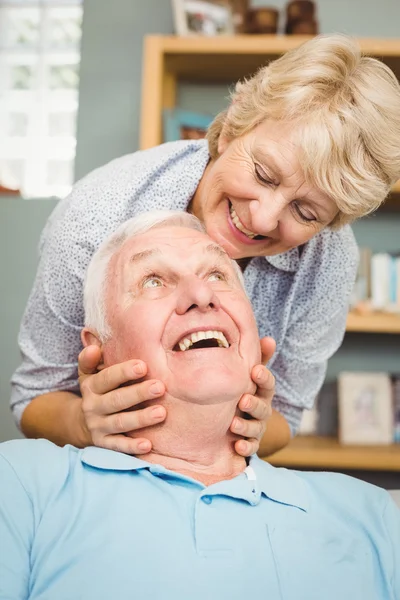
(265,213)
(196,293)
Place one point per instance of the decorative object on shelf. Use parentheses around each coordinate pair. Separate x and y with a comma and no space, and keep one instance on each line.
(377,286)
(182,124)
(262,20)
(365,408)
(203,17)
(301,18)
(239,14)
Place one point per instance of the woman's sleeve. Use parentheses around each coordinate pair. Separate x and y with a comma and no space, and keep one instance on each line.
(49,336)
(317,323)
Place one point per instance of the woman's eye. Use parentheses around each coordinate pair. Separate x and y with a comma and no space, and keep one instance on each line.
(262,176)
(304,215)
(216,276)
(152,282)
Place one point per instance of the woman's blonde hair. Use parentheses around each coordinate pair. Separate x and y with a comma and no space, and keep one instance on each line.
(345,108)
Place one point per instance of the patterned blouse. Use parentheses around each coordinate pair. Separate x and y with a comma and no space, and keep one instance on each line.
(300,298)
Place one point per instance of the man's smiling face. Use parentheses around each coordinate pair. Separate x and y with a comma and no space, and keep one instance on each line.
(174,300)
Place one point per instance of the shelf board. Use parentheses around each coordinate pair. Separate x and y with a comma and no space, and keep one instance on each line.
(326,453)
(263,43)
(373,323)
(228,58)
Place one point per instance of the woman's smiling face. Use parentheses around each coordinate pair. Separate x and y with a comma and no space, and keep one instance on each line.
(254,200)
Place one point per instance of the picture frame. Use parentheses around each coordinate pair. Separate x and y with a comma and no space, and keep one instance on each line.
(365,403)
(181,124)
(203,17)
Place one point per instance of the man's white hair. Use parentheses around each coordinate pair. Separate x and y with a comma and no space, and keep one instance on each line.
(97,274)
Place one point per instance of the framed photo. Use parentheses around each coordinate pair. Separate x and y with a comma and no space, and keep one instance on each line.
(203,17)
(365,408)
(179,124)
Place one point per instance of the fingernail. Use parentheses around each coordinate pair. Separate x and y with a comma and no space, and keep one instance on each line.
(260,374)
(246,403)
(144,445)
(238,425)
(245,448)
(157,412)
(155,388)
(138,369)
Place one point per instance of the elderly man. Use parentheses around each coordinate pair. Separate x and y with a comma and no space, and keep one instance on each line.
(192,520)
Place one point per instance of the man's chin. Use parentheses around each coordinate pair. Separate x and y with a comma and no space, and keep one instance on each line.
(208,392)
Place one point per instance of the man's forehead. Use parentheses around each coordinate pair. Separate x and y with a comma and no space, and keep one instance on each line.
(159,242)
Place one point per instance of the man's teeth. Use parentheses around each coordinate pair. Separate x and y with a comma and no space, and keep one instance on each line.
(239,225)
(191,339)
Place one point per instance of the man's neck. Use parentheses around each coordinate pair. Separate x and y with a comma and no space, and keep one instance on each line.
(195,440)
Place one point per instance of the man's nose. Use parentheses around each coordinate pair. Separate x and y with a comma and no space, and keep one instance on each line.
(266,212)
(196,293)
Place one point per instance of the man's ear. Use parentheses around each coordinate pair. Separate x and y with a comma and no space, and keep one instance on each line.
(90,337)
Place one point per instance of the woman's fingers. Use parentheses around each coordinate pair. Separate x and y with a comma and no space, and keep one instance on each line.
(256,407)
(124,422)
(127,445)
(108,397)
(259,407)
(89,360)
(268,347)
(113,377)
(129,396)
(247,447)
(264,381)
(252,428)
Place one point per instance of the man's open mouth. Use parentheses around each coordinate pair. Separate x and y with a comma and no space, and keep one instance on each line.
(202,339)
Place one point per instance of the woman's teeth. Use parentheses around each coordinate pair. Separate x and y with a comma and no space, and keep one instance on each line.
(238,224)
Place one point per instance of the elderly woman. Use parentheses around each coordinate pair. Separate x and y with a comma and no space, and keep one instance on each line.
(309,144)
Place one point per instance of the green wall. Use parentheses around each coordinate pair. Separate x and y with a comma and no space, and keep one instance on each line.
(21,222)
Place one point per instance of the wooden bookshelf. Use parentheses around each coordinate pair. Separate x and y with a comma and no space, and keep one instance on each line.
(378,322)
(168,60)
(326,453)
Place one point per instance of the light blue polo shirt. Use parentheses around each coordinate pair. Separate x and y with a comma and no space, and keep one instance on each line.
(94,524)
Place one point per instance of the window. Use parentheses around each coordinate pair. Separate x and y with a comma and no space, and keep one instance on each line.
(39,76)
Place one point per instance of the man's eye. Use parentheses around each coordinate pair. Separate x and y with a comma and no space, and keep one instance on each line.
(216,276)
(152,282)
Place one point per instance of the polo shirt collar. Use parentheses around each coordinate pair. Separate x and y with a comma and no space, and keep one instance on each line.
(287,261)
(277,484)
(108,460)
(281,485)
